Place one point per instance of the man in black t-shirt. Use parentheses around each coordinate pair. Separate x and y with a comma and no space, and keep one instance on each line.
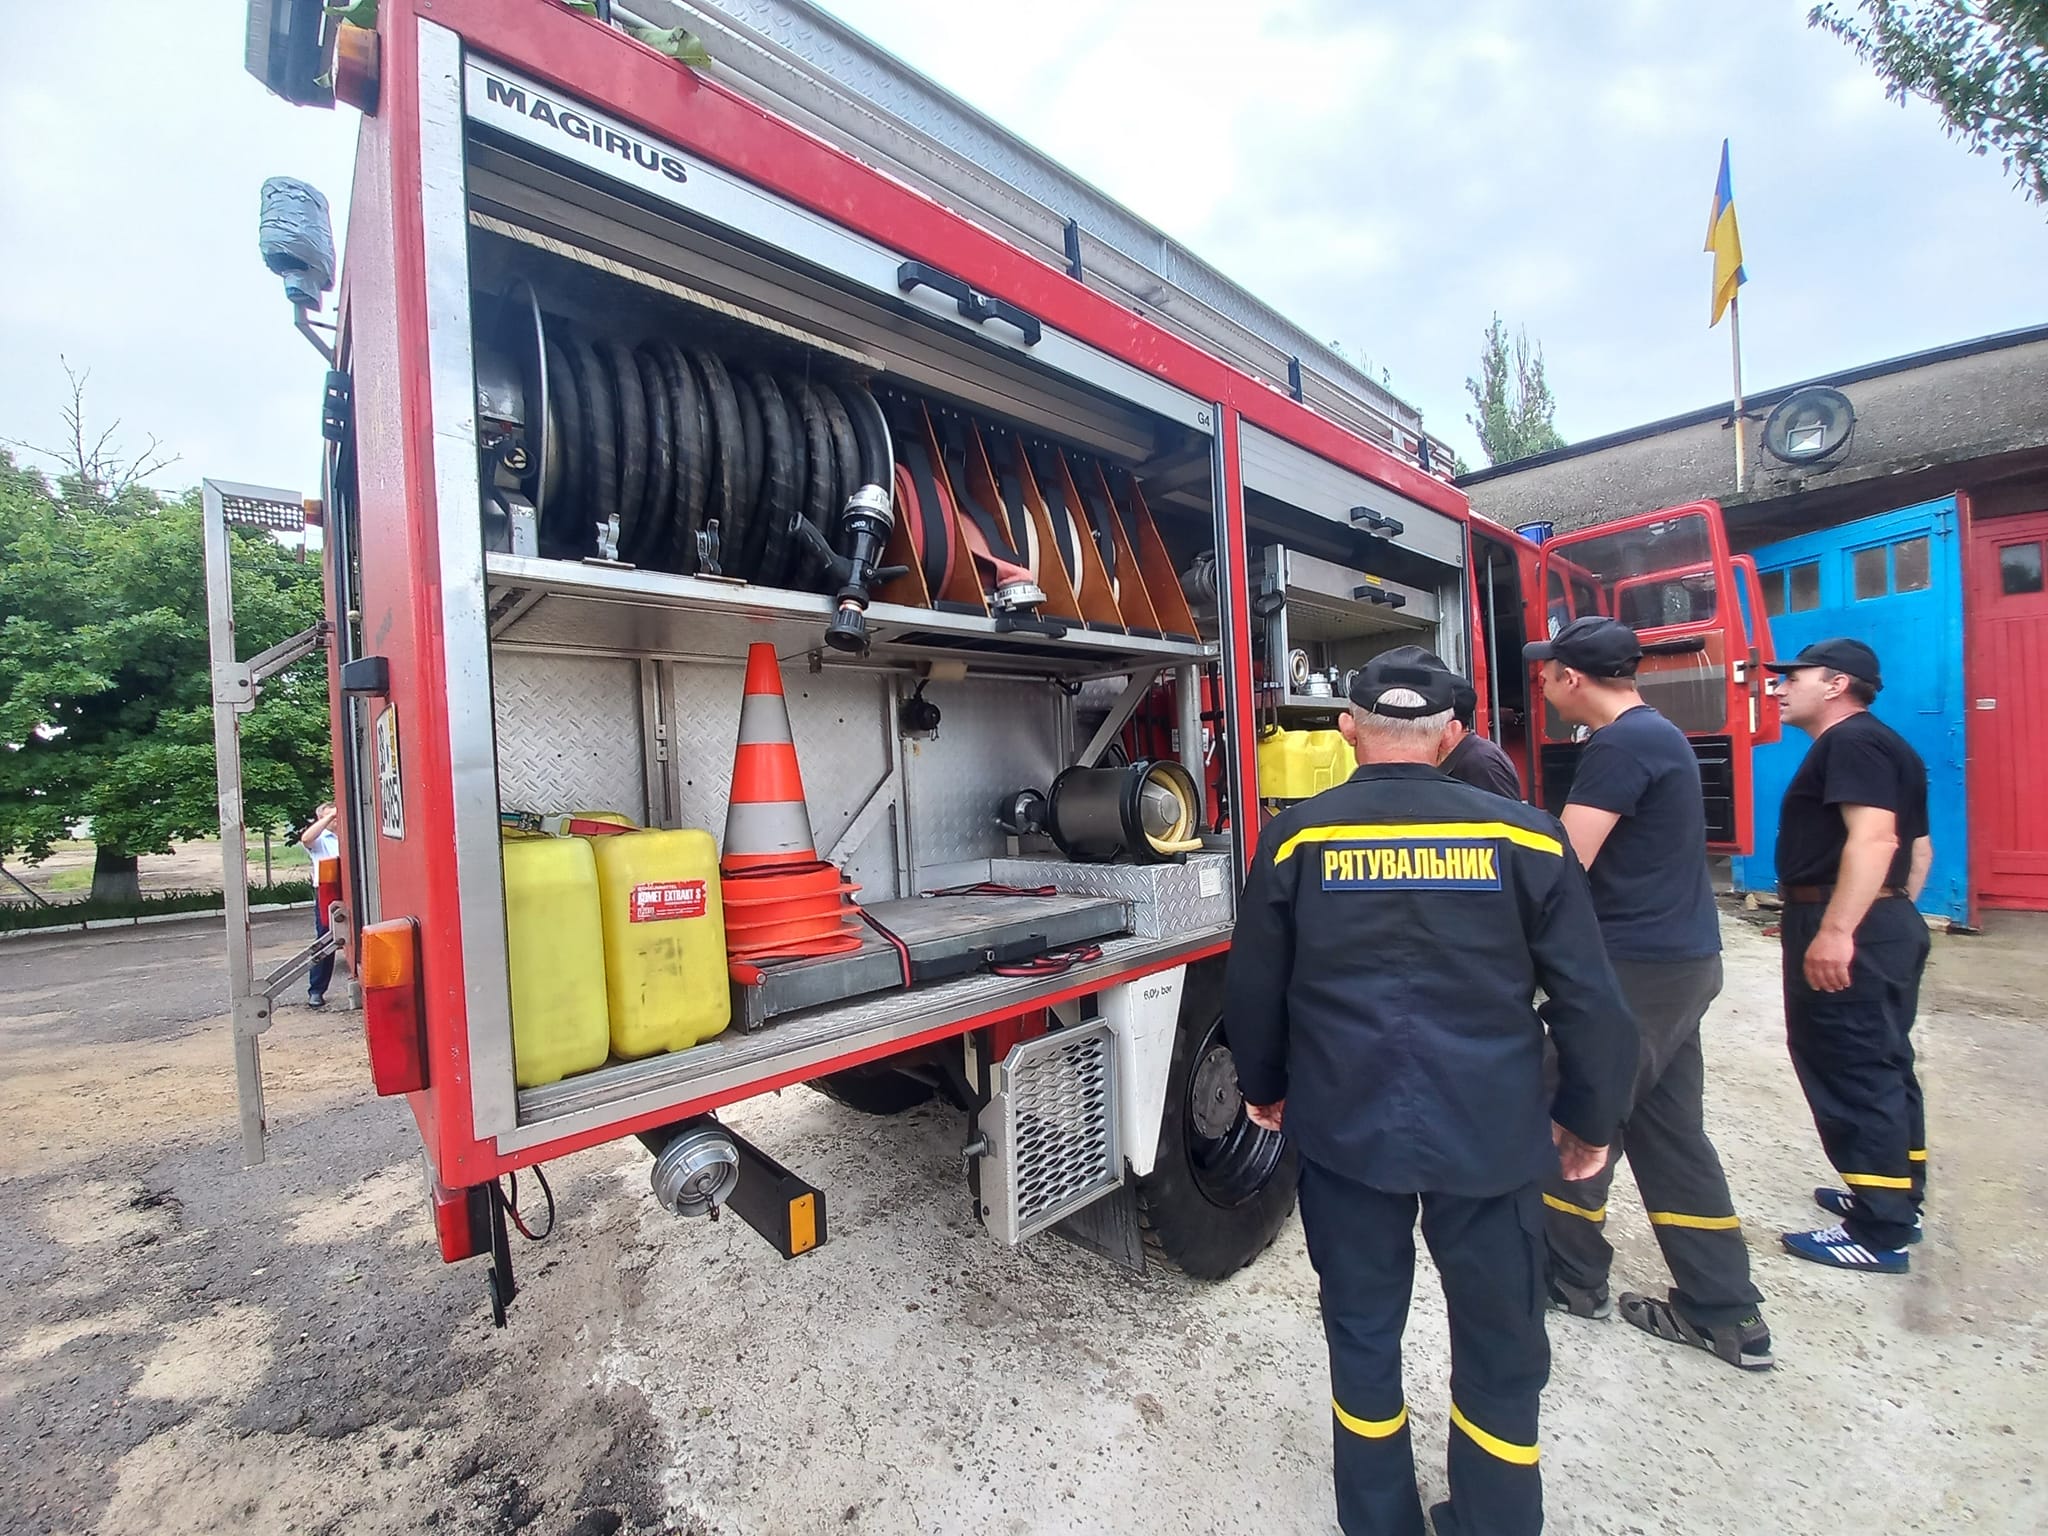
(1853,853)
(1474,759)
(1637,821)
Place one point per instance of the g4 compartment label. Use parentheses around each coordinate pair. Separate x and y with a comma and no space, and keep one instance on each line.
(663,901)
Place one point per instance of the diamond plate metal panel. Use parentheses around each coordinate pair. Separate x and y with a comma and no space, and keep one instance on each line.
(993,737)
(837,718)
(568,733)
(1052,1130)
(1166,899)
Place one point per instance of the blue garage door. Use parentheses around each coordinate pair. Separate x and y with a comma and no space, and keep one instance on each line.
(1895,583)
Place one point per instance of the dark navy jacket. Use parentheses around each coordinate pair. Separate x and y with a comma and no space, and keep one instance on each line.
(1393,934)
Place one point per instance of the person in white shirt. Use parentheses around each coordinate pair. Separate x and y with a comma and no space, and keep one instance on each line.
(320,842)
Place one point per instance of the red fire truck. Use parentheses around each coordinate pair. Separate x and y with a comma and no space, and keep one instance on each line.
(667,334)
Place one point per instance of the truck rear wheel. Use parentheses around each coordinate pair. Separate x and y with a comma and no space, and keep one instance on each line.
(1222,1187)
(874,1090)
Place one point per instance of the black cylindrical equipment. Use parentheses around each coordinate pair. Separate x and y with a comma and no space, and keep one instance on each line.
(1150,811)
(864,524)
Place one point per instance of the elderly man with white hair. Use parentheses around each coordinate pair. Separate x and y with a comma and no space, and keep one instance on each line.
(1380,1005)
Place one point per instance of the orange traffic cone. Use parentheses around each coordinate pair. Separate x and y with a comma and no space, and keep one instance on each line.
(767,825)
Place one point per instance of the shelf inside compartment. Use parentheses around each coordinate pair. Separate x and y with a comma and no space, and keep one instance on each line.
(616,610)
(1314,618)
(817,1035)
(1306,703)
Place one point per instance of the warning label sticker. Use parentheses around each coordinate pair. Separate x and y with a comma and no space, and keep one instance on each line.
(663,901)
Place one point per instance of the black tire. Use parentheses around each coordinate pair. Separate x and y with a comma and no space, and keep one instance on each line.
(566,532)
(845,452)
(779,484)
(600,442)
(694,448)
(749,489)
(657,518)
(723,459)
(821,476)
(631,404)
(800,485)
(1221,1188)
(874,1090)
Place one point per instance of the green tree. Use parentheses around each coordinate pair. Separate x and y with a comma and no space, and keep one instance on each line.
(1515,407)
(1982,63)
(105,698)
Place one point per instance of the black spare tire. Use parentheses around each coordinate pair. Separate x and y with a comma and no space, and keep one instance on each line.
(1222,1187)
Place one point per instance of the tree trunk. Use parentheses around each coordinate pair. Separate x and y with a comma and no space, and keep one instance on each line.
(114,877)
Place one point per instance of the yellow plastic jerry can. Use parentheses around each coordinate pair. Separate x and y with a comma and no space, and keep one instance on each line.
(555,938)
(664,939)
(1329,757)
(1294,765)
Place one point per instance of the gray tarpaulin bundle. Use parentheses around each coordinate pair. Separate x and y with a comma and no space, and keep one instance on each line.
(296,240)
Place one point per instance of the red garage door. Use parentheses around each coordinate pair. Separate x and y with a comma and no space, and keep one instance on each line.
(2008,648)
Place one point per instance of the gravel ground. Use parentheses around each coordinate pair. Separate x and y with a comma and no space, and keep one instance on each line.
(192,1347)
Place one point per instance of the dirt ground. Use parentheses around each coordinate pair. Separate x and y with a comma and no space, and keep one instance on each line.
(191,1347)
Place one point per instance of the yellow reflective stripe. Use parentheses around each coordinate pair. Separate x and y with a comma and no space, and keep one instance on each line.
(1917,1155)
(1574,1210)
(1387,832)
(1876,1181)
(1506,1450)
(1680,1219)
(1371,1429)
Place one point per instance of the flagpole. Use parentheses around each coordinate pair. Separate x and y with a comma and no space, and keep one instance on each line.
(1735,340)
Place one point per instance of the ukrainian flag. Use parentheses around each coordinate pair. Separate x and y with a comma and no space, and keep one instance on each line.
(1724,239)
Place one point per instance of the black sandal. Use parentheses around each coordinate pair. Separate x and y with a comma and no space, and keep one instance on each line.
(1745,1345)
(1597,1305)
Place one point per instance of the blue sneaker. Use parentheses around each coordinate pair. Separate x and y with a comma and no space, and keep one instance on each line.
(1839,1202)
(1834,1247)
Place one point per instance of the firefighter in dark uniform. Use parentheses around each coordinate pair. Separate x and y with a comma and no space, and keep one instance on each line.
(1853,854)
(1379,1003)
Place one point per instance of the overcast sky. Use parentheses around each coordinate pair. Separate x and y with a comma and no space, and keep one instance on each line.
(1389,175)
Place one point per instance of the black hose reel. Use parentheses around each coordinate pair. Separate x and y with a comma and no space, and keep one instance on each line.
(865,523)
(1149,811)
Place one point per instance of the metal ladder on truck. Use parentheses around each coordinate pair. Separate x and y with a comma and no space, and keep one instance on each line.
(813,70)
(237,685)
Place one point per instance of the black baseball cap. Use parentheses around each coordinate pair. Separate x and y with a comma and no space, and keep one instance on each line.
(1595,645)
(1839,655)
(1405,666)
(1464,697)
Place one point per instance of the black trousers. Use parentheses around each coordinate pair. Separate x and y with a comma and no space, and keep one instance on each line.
(1489,1253)
(1676,1168)
(322,971)
(1853,1051)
